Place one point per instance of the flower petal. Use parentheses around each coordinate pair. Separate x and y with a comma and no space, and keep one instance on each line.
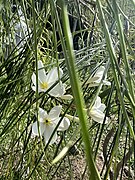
(58,90)
(52,76)
(97,115)
(41,72)
(107,83)
(92,79)
(42,114)
(102,107)
(47,134)
(95,80)
(64,125)
(54,138)
(33,88)
(55,112)
(100,71)
(35,128)
(66,97)
(97,103)
(34,82)
(93,84)
(33,77)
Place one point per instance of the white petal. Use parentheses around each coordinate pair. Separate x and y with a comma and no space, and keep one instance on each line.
(41,72)
(54,138)
(58,90)
(93,84)
(98,80)
(99,74)
(34,82)
(95,80)
(47,134)
(97,103)
(100,71)
(92,79)
(102,107)
(33,88)
(67,97)
(35,128)
(97,115)
(107,83)
(52,76)
(34,79)
(42,114)
(64,125)
(55,112)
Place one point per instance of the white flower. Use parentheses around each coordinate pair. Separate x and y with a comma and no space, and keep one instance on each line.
(67,97)
(97,111)
(96,79)
(48,122)
(45,81)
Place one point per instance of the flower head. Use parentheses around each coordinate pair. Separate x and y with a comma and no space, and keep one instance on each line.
(97,111)
(45,81)
(48,122)
(96,79)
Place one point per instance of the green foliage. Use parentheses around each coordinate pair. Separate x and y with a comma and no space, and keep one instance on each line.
(43,30)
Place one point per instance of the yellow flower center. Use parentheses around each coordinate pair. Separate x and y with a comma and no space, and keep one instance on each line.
(44,85)
(47,121)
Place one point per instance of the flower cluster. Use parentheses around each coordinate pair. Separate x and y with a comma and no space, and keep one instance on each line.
(97,111)
(51,83)
(48,122)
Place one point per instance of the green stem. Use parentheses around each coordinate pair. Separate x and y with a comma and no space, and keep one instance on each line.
(70,62)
